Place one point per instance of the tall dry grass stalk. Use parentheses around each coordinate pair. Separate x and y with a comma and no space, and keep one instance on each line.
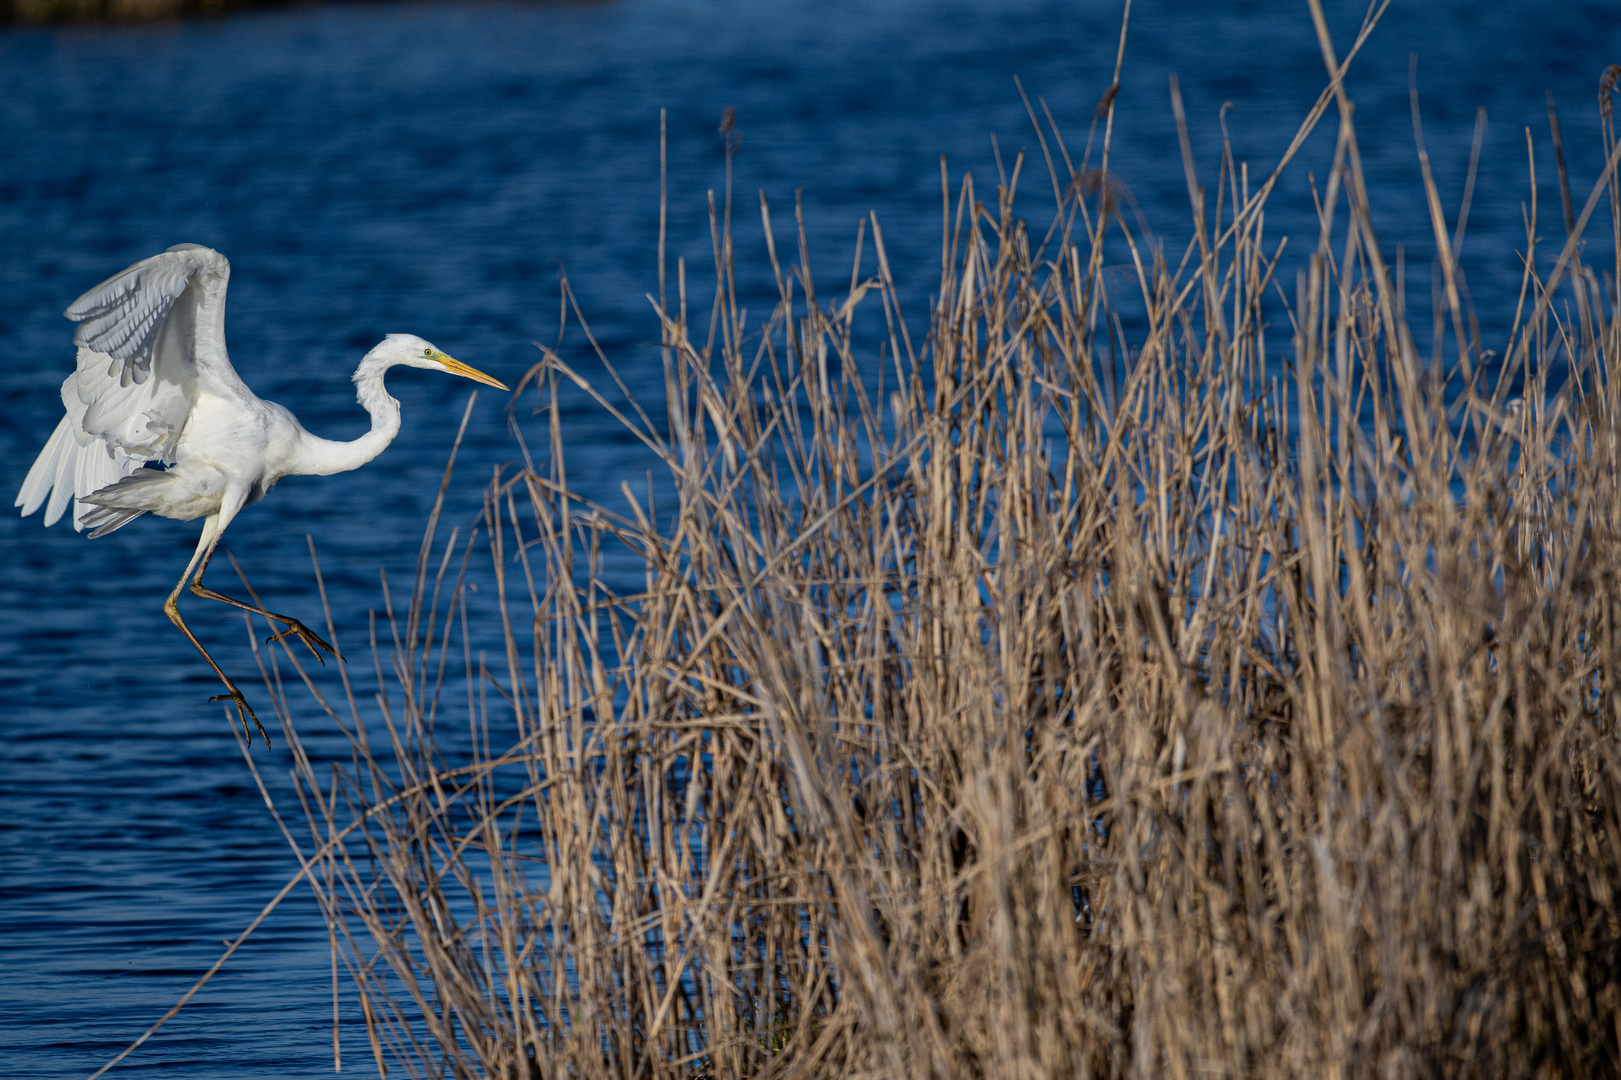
(1143,677)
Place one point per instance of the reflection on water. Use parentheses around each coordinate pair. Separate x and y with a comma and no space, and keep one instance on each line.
(431,168)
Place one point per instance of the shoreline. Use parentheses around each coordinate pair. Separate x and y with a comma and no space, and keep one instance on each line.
(58,12)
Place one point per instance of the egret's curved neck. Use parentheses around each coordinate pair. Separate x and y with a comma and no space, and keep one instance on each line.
(323,457)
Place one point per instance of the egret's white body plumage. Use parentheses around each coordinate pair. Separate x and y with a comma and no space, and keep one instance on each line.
(154,385)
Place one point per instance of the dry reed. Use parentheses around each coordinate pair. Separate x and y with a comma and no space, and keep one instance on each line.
(1110,688)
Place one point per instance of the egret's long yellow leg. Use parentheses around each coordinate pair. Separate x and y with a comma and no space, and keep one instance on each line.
(171,608)
(312,641)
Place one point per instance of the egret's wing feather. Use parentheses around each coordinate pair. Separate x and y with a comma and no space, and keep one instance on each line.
(138,420)
(146,336)
(109,431)
(47,467)
(124,315)
(68,470)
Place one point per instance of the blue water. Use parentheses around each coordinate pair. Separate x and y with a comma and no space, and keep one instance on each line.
(432,168)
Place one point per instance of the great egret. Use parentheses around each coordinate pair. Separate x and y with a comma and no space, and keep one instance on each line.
(155,386)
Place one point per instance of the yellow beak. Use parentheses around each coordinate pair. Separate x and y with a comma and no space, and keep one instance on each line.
(456,367)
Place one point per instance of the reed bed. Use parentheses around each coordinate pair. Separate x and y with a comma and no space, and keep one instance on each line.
(1150,674)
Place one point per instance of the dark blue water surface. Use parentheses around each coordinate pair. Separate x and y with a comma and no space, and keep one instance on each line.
(432,168)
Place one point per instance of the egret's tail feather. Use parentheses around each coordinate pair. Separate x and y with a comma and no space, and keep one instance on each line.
(117,505)
(101,520)
(140,490)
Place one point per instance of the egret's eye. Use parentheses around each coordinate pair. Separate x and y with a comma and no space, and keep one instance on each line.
(428,353)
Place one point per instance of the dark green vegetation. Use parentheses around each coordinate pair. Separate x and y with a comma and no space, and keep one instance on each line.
(1227,689)
(47,11)
(30,12)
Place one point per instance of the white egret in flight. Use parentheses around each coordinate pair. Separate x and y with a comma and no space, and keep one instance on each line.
(154,387)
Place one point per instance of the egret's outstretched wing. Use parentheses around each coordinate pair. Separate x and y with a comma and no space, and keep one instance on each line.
(145,338)
(124,315)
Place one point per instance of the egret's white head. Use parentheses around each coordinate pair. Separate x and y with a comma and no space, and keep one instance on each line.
(411,351)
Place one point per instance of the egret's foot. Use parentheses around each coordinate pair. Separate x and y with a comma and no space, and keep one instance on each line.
(314,642)
(244,713)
